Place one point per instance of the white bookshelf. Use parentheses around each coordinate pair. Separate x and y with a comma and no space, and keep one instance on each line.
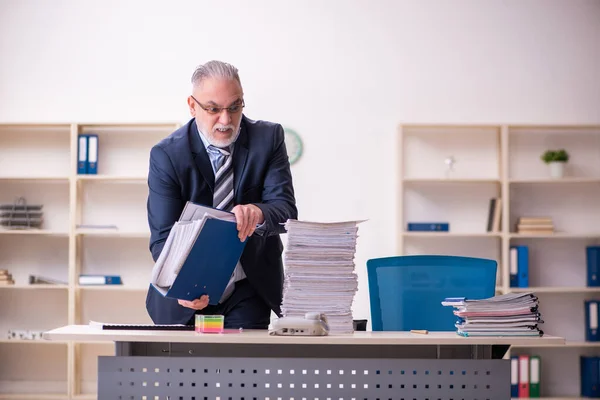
(504,161)
(38,162)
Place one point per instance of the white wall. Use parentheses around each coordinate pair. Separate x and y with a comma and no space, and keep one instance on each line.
(343,74)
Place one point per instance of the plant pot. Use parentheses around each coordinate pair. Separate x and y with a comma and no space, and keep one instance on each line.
(557,169)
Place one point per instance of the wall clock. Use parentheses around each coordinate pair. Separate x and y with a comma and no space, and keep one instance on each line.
(293,144)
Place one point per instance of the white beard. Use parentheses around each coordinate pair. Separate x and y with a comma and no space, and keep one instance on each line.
(218,142)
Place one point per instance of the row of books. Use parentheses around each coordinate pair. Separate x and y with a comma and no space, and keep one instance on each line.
(493,222)
(494,215)
(525,376)
(6,278)
(535,225)
(519,266)
(87,154)
(525,225)
(526,372)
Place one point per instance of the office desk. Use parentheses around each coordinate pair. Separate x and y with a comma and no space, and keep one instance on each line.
(252,365)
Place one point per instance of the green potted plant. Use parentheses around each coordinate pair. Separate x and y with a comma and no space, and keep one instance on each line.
(556,159)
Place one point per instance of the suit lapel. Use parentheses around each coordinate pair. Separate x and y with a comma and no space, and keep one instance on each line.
(240,154)
(201,156)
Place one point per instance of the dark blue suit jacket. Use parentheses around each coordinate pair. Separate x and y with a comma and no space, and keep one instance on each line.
(180,170)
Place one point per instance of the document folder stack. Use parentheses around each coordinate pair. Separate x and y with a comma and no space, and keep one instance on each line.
(199,255)
(319,271)
(511,314)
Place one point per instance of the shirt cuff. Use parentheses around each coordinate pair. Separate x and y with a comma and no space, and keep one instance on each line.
(261,229)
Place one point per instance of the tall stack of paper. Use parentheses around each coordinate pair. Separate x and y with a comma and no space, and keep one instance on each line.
(511,314)
(319,275)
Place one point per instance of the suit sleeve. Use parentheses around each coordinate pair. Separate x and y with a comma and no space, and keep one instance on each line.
(164,199)
(164,208)
(278,202)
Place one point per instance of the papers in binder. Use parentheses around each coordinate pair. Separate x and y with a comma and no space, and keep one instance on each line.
(177,247)
(199,255)
(193,211)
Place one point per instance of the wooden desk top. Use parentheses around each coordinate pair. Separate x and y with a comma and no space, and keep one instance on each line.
(86,333)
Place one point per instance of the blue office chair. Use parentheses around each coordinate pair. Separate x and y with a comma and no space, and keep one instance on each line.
(406,291)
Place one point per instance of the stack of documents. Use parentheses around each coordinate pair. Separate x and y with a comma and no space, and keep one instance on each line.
(512,314)
(319,271)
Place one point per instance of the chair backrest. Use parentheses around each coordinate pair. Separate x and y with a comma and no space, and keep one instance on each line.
(406,291)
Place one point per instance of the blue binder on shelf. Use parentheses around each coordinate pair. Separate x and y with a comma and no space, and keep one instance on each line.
(209,264)
(92,164)
(82,154)
(513,267)
(519,265)
(428,226)
(592,256)
(590,376)
(90,279)
(514,376)
(591,321)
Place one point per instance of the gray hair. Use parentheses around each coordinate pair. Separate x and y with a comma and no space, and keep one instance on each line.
(215,69)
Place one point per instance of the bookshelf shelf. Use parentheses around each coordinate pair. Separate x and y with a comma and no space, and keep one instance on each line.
(547,181)
(556,289)
(34,287)
(450,180)
(448,174)
(33,396)
(113,178)
(111,288)
(563,346)
(43,232)
(452,234)
(112,233)
(28,342)
(49,179)
(556,235)
(551,398)
(60,251)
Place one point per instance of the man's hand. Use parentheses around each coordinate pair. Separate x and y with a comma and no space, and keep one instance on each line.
(197,304)
(247,217)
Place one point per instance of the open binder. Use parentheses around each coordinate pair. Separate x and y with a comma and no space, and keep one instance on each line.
(199,256)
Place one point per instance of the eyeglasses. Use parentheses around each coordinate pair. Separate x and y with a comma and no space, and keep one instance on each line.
(232,109)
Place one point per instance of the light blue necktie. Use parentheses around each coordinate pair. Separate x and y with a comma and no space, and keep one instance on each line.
(223,194)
